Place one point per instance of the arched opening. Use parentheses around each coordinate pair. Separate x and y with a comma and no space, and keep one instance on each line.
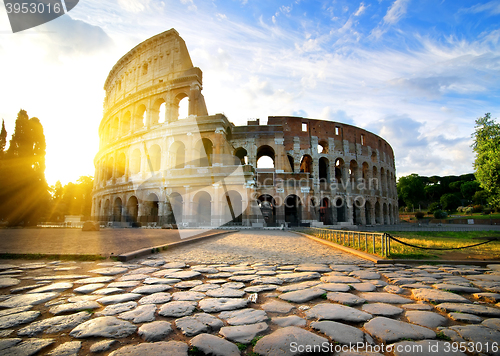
(353,171)
(340,206)
(306,164)
(324,171)
(117,210)
(293,210)
(265,157)
(183,108)
(132,209)
(155,158)
(323,147)
(383,182)
(177,154)
(176,203)
(120,165)
(374,182)
(126,123)
(232,203)
(291,162)
(204,149)
(242,154)
(135,161)
(99,211)
(106,211)
(158,112)
(368,212)
(385,214)
(140,117)
(339,166)
(109,170)
(162,113)
(378,213)
(374,157)
(325,211)
(365,174)
(389,213)
(267,207)
(202,204)
(151,205)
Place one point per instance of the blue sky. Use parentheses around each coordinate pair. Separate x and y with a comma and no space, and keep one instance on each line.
(415,72)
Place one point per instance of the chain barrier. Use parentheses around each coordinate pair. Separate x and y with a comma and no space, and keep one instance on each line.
(436,248)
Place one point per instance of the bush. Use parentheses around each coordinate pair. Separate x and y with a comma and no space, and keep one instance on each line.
(434,206)
(439,214)
(419,215)
(478,208)
(486,211)
(469,210)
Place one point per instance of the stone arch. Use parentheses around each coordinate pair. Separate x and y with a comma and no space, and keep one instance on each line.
(389,211)
(232,203)
(107,211)
(117,210)
(176,203)
(325,211)
(155,112)
(265,151)
(383,186)
(154,158)
(378,213)
(242,154)
(175,115)
(323,147)
(293,210)
(340,209)
(385,214)
(306,164)
(115,124)
(202,206)
(178,155)
(120,165)
(140,117)
(110,168)
(339,168)
(132,209)
(375,180)
(291,162)
(353,171)
(368,212)
(151,208)
(267,206)
(135,161)
(204,152)
(324,170)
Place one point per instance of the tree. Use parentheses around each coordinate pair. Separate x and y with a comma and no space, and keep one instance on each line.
(3,139)
(486,146)
(24,191)
(450,201)
(468,189)
(411,189)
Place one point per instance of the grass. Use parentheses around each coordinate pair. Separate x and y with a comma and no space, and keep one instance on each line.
(41,256)
(441,336)
(444,239)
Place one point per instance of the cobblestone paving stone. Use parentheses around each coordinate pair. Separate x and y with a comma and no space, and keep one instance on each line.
(249,293)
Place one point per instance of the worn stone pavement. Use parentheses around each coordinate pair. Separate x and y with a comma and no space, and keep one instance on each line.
(249,293)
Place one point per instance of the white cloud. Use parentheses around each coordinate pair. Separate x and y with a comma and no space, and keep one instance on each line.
(134,6)
(190,3)
(392,17)
(492,8)
(360,10)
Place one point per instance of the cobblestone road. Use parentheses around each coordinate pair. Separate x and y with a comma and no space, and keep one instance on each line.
(249,293)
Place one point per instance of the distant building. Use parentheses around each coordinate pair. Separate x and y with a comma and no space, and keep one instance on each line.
(205,171)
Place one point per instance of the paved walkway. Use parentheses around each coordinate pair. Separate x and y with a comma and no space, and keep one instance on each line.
(248,293)
(106,242)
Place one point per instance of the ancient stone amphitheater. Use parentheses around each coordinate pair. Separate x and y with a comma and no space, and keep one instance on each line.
(154,167)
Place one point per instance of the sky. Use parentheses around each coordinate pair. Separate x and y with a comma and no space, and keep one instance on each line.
(417,73)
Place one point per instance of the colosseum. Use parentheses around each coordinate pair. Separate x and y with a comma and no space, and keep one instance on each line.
(157,167)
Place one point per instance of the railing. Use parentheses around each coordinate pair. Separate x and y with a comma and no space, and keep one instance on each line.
(372,242)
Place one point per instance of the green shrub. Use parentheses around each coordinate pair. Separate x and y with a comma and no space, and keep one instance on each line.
(419,215)
(434,206)
(439,214)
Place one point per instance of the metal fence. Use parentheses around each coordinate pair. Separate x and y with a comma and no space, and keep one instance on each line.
(371,242)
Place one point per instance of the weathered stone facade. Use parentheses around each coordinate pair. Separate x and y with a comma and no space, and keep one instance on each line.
(205,171)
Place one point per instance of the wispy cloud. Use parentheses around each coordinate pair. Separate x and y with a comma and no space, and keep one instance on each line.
(392,17)
(491,8)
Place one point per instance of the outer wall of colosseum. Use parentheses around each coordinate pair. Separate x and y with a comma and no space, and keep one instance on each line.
(155,167)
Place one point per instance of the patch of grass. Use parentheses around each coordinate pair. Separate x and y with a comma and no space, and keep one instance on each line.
(164,248)
(253,354)
(323,296)
(255,339)
(441,336)
(41,256)
(193,351)
(241,347)
(90,311)
(406,339)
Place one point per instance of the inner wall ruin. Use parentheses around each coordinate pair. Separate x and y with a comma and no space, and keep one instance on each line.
(155,167)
